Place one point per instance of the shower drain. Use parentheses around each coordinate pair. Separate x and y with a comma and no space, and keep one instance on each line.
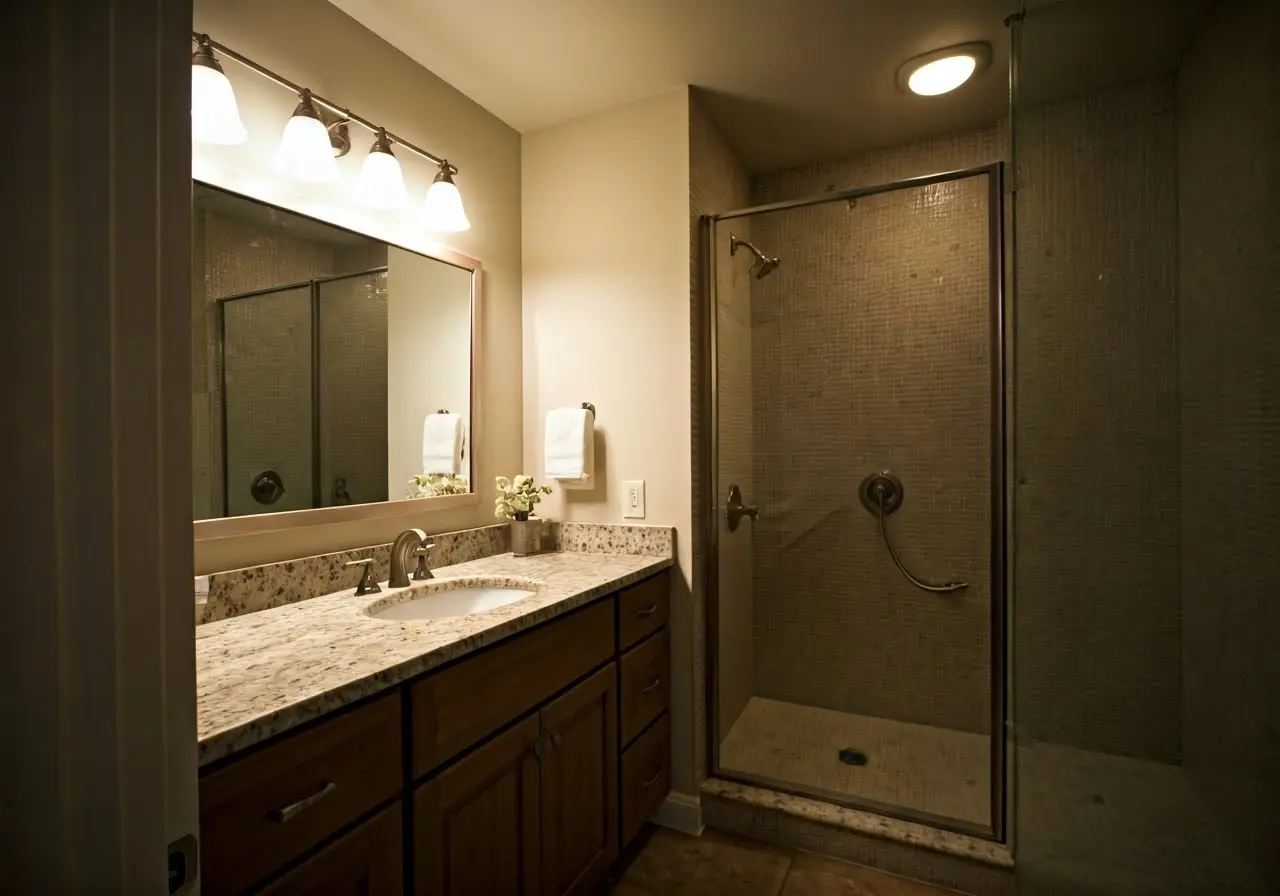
(850,756)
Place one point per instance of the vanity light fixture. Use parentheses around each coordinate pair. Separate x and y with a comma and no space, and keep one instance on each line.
(381,183)
(942,71)
(305,153)
(215,117)
(317,132)
(443,210)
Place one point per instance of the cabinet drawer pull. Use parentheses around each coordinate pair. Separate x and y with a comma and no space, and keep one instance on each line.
(654,780)
(293,810)
(652,685)
(645,612)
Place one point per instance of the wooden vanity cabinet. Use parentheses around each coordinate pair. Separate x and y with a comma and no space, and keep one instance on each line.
(520,769)
(367,861)
(477,822)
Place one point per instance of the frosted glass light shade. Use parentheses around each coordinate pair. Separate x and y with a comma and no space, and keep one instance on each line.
(305,152)
(443,210)
(215,117)
(381,182)
(942,75)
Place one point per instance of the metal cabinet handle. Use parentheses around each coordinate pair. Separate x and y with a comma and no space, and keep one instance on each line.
(646,612)
(657,681)
(654,780)
(293,810)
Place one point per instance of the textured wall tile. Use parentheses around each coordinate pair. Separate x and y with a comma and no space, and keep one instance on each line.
(1229,339)
(718,182)
(872,350)
(1098,614)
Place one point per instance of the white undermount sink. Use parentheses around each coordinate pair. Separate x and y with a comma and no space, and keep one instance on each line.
(448,598)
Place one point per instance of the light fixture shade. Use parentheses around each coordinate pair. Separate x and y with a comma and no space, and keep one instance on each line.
(215,117)
(305,152)
(381,183)
(443,210)
(942,75)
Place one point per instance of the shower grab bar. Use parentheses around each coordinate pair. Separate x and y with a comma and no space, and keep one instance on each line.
(886,491)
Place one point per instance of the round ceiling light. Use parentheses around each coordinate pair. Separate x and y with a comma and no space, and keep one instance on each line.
(942,71)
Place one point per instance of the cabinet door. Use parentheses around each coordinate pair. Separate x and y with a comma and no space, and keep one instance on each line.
(365,862)
(476,823)
(580,785)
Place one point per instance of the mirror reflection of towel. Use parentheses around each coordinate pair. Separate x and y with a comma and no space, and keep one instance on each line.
(442,444)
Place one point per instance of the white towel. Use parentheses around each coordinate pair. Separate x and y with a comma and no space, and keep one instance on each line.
(570,448)
(442,444)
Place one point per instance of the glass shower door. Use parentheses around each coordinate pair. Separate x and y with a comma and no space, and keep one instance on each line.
(850,339)
(267,401)
(352,374)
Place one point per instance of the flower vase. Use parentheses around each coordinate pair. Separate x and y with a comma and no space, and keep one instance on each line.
(526,535)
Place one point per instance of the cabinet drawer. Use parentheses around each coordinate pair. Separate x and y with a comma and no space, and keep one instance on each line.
(259,812)
(459,706)
(644,670)
(646,777)
(642,610)
(365,862)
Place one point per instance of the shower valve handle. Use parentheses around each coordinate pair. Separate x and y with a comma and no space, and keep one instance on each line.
(737,510)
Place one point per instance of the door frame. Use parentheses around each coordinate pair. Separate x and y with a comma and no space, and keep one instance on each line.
(708,516)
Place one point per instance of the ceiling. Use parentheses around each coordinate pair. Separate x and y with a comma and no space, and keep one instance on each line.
(787,81)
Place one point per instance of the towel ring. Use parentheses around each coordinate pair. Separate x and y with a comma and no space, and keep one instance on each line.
(588,406)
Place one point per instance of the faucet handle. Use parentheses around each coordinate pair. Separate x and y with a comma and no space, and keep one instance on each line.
(368,584)
(423,571)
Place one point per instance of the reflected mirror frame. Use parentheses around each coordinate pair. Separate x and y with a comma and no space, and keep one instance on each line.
(259,523)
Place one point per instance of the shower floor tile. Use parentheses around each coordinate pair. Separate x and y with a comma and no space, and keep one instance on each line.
(920,768)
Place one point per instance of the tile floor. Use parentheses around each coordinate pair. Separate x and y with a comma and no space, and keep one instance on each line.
(1097,823)
(937,771)
(667,863)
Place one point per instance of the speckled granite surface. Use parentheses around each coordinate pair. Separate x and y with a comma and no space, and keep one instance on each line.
(859,822)
(264,673)
(608,538)
(241,591)
(237,592)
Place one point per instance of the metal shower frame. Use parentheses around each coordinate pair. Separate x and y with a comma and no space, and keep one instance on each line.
(313,285)
(1001,509)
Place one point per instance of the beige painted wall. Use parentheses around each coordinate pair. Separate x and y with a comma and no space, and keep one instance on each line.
(428,357)
(606,320)
(317,45)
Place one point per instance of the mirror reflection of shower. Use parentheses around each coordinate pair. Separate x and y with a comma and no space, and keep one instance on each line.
(767,264)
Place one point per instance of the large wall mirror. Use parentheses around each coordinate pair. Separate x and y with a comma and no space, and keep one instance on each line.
(331,371)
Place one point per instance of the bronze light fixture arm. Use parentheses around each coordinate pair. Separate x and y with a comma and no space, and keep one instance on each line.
(203,40)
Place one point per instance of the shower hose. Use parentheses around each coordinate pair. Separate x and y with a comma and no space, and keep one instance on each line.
(944,588)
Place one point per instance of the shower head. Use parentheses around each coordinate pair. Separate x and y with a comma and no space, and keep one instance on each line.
(767,264)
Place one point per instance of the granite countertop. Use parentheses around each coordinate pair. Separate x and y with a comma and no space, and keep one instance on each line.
(267,672)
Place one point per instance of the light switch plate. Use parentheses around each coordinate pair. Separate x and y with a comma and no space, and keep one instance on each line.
(633,498)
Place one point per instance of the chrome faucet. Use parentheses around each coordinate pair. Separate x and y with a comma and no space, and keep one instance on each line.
(405,545)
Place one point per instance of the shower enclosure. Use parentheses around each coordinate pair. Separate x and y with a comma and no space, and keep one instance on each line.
(303,394)
(857,508)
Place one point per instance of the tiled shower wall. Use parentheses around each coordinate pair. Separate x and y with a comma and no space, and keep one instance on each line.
(871,349)
(1229,343)
(719,182)
(1097,602)
(233,256)
(1096,434)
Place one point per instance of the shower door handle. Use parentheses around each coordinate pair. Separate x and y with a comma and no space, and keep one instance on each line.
(737,510)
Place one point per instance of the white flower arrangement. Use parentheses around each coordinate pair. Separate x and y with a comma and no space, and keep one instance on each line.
(433,485)
(517,497)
